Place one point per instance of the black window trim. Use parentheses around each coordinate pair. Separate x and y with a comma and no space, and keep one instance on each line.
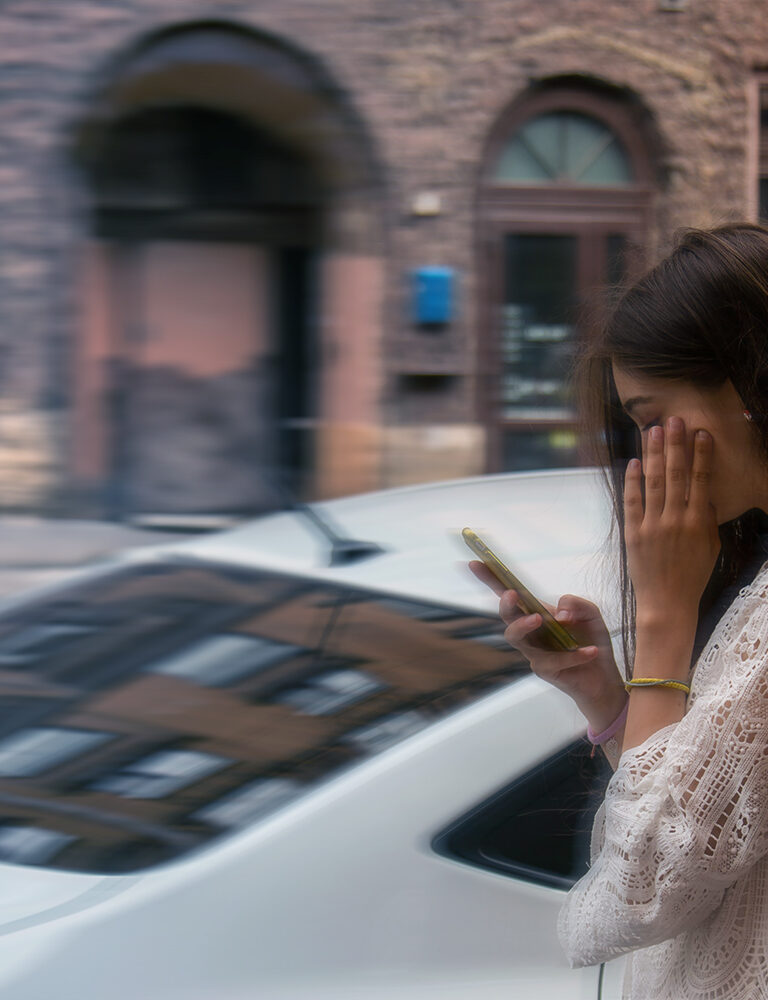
(459,840)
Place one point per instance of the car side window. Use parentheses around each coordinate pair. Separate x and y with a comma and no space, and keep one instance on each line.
(539,827)
(162,705)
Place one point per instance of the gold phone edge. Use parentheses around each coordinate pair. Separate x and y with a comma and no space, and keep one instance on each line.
(558,633)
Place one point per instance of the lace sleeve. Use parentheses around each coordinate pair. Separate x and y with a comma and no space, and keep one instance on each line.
(685,813)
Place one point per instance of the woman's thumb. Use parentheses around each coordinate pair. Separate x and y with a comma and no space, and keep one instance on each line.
(576,609)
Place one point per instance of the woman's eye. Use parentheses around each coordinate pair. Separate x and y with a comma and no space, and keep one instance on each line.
(653,423)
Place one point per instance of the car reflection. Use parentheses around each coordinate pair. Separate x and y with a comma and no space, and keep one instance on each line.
(148,712)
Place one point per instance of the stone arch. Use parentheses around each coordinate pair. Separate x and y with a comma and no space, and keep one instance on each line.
(213,135)
(256,75)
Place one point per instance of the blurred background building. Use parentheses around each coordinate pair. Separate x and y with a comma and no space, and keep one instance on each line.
(251,249)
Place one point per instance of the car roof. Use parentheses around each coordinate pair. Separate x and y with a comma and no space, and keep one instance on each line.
(551,527)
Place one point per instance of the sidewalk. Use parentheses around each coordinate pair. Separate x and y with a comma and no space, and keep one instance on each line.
(35,550)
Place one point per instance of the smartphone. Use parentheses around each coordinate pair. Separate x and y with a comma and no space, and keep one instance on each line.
(551,633)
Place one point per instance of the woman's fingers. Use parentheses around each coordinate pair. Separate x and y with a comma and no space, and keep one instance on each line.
(548,664)
(520,634)
(508,610)
(517,631)
(521,627)
(579,612)
(676,485)
(655,473)
(701,471)
(484,575)
(633,497)
(672,481)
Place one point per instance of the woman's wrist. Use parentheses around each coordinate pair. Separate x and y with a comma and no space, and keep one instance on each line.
(665,620)
(603,735)
(664,647)
(600,715)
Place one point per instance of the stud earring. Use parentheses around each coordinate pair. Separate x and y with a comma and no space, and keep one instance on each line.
(748,416)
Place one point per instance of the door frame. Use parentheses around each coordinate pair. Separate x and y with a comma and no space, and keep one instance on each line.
(590,271)
(557,207)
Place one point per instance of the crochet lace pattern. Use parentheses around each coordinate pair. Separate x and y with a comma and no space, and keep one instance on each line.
(679,860)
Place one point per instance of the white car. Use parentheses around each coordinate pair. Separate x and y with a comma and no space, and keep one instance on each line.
(264,764)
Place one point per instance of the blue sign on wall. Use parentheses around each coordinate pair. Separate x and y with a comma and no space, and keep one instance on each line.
(433,295)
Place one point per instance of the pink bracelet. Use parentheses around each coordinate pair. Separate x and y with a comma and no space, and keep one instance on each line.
(597,738)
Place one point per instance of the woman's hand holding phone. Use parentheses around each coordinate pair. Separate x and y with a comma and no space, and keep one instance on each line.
(588,674)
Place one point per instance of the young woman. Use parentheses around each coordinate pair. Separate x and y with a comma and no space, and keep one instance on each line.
(678,384)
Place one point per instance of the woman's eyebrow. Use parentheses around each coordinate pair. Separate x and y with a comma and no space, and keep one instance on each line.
(630,404)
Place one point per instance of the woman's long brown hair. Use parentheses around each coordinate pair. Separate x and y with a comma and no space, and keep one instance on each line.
(699,316)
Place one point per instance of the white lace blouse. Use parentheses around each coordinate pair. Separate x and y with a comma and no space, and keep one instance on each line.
(679,870)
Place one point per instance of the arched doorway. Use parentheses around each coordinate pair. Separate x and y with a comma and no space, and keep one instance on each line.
(564,215)
(222,167)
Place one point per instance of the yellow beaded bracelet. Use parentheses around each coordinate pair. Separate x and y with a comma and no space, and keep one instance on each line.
(657,682)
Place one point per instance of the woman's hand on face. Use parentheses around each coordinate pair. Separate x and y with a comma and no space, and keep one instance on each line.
(672,541)
(588,674)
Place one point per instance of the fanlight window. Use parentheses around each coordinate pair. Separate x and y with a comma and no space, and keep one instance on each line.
(567,148)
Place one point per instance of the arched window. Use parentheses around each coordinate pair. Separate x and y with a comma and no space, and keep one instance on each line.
(564,147)
(563,206)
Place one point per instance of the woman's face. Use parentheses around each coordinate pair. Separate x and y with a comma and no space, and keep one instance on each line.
(739,469)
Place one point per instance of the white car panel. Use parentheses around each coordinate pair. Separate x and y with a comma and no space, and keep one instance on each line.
(278,885)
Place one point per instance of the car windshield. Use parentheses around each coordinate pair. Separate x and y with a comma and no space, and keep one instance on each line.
(163,705)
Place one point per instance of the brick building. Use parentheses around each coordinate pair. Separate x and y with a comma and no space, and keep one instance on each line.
(212,212)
